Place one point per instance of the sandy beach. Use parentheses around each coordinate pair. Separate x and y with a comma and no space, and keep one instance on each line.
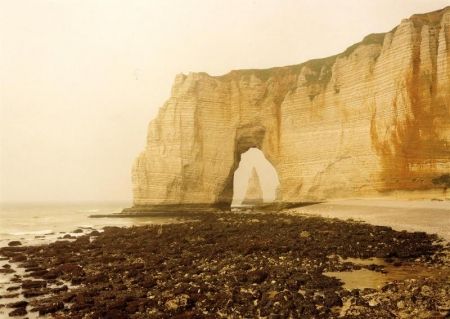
(411,215)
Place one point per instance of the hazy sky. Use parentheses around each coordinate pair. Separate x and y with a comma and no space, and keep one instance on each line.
(80,80)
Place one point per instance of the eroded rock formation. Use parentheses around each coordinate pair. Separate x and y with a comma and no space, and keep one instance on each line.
(254,194)
(373,120)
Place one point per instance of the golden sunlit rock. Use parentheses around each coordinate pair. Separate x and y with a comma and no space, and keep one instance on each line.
(371,121)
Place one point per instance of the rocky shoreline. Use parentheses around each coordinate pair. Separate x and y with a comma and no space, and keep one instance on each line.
(236,265)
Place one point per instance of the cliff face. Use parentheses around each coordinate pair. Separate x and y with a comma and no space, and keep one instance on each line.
(374,120)
(254,194)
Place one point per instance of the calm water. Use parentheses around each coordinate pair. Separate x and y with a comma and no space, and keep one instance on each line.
(40,223)
(364,278)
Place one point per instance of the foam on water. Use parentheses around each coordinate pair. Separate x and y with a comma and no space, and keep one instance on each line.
(25,222)
(23,233)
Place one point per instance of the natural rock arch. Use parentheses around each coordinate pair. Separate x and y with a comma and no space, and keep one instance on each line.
(371,121)
(254,159)
(247,137)
(203,150)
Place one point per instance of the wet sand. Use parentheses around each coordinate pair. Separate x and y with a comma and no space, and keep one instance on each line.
(239,265)
(428,216)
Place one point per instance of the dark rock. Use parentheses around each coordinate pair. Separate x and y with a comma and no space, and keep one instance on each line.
(331,299)
(76,280)
(14,243)
(83,240)
(68,297)
(50,308)
(32,269)
(257,276)
(71,269)
(49,275)
(19,258)
(148,283)
(59,289)
(39,273)
(7,296)
(30,264)
(18,312)
(18,304)
(31,293)
(29,284)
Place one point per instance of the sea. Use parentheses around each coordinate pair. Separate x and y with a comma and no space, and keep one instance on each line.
(40,223)
(43,223)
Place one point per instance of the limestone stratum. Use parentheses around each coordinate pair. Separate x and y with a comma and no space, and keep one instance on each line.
(373,120)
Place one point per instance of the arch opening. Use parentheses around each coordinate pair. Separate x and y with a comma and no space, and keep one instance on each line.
(254,159)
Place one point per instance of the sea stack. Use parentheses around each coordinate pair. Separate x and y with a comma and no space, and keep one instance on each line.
(254,194)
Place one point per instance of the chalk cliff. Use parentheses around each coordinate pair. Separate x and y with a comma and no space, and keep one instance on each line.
(371,121)
(254,194)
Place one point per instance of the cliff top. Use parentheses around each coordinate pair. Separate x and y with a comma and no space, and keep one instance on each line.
(316,65)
